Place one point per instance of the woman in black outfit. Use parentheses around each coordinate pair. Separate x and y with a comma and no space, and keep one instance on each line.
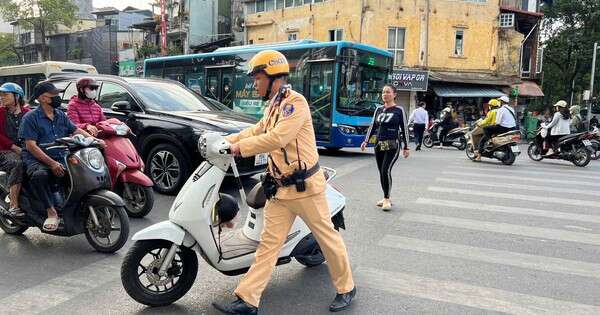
(387,131)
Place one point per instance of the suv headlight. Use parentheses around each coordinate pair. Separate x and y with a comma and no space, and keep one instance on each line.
(347,129)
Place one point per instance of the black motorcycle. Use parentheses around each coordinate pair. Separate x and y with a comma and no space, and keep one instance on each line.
(86,204)
(576,148)
(454,138)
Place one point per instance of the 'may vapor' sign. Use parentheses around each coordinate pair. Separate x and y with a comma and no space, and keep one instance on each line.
(409,80)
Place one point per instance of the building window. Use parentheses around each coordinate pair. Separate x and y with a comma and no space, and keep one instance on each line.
(292,36)
(336,35)
(25,38)
(260,6)
(269,5)
(459,39)
(396,37)
(507,19)
(289,3)
(280,4)
(250,7)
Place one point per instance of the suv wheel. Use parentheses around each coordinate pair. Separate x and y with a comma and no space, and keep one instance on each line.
(167,167)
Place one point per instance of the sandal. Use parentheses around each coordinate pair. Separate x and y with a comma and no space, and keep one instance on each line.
(50,225)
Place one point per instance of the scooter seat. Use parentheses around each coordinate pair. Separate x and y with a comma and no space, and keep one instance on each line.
(571,136)
(510,133)
(256,198)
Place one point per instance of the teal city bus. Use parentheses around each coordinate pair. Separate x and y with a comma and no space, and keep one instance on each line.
(341,81)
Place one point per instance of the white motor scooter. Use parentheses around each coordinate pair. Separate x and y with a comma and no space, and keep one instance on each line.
(162,264)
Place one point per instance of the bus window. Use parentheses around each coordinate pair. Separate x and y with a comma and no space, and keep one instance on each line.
(154,69)
(319,97)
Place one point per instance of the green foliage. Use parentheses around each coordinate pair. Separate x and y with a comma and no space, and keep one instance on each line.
(8,56)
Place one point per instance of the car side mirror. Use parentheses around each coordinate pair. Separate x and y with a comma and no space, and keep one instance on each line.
(121,106)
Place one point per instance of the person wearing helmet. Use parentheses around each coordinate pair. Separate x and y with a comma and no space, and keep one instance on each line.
(446,124)
(559,126)
(83,110)
(489,120)
(295,183)
(576,120)
(11,114)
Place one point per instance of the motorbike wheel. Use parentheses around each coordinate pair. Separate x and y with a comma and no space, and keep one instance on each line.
(428,141)
(470,150)
(510,157)
(596,154)
(107,217)
(7,224)
(139,273)
(534,152)
(313,256)
(582,157)
(142,202)
(463,144)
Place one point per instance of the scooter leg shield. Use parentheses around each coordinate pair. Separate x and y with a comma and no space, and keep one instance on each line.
(165,230)
(136,177)
(104,196)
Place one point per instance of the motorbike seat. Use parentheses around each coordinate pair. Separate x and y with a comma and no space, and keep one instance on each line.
(510,133)
(256,198)
(571,136)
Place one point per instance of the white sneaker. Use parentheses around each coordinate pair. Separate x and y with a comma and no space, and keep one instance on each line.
(550,152)
(380,202)
(387,205)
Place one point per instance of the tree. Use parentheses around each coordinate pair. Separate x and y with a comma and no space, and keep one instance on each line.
(8,54)
(570,28)
(41,16)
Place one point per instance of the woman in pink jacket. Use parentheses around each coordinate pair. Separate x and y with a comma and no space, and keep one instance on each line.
(83,109)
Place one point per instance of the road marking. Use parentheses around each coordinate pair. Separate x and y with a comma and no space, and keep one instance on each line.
(55,291)
(540,173)
(352,167)
(513,210)
(541,263)
(505,228)
(518,186)
(466,294)
(518,178)
(581,228)
(491,194)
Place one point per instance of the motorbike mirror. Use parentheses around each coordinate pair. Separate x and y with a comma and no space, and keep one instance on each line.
(121,106)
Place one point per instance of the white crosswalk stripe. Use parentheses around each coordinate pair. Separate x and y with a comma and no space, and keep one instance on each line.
(542,173)
(465,294)
(496,184)
(491,194)
(547,180)
(487,255)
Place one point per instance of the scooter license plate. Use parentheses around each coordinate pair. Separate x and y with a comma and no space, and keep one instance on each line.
(515,149)
(587,143)
(260,159)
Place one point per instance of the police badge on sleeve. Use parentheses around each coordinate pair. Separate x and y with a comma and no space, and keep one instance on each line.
(288,110)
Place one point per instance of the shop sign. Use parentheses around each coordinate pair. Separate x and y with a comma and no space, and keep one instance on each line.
(409,80)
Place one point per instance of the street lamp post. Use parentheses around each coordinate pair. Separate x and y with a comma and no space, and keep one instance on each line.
(589,112)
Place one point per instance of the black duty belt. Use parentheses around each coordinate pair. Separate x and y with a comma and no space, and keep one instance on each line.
(290,181)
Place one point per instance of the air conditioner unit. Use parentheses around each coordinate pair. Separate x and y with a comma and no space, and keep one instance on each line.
(507,20)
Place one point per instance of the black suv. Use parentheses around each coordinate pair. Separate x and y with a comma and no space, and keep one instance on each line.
(166,119)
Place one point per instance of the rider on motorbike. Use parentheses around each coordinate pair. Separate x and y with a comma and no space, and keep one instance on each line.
(83,109)
(446,124)
(488,121)
(559,126)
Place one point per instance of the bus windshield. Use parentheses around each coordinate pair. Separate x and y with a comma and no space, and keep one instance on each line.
(360,89)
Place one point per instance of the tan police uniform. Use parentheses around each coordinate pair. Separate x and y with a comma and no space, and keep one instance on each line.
(289,126)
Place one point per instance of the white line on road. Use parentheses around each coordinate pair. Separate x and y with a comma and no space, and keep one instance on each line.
(541,263)
(504,228)
(491,194)
(519,186)
(560,174)
(466,294)
(513,210)
(61,289)
(519,178)
(352,167)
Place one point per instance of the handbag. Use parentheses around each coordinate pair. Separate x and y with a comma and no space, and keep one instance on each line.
(387,145)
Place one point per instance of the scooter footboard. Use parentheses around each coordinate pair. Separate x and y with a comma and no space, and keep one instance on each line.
(165,230)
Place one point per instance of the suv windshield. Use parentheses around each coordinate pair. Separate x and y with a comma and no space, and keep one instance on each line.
(166,96)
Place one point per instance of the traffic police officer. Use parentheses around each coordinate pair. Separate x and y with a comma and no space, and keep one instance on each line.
(286,133)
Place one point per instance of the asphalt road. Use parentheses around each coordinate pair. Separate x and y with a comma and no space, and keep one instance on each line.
(462,238)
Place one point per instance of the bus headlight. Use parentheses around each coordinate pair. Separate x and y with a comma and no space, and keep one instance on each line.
(349,130)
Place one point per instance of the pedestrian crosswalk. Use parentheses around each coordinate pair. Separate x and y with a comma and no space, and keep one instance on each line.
(544,206)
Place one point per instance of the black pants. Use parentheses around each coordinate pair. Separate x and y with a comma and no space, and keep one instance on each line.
(385,162)
(489,132)
(12,164)
(419,130)
(41,181)
(552,141)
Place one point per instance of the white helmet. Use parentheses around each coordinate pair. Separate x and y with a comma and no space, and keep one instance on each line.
(504,99)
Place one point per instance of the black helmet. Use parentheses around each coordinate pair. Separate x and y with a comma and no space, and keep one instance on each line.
(225,209)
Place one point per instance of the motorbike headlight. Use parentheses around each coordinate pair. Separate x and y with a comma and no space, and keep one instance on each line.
(95,159)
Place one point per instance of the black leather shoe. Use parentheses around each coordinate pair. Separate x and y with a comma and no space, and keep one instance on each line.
(239,307)
(342,301)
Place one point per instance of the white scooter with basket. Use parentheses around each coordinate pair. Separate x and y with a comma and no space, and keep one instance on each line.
(162,265)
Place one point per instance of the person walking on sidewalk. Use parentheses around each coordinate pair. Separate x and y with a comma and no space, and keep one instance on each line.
(420,119)
(388,130)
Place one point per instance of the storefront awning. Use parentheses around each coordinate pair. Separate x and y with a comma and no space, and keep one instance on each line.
(466,91)
(529,89)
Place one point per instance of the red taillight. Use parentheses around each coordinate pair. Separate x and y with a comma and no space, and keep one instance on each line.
(516,138)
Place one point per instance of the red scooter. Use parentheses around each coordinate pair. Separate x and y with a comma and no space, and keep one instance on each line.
(126,168)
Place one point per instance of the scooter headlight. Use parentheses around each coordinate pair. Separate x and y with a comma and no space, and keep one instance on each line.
(92,158)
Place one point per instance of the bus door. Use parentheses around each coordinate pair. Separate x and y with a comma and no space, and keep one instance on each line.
(219,84)
(319,95)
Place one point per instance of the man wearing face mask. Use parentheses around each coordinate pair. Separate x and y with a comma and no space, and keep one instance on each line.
(83,109)
(43,125)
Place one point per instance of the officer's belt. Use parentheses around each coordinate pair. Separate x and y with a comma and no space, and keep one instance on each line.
(289,180)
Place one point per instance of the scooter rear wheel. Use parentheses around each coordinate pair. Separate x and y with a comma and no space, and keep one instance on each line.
(582,157)
(140,278)
(534,152)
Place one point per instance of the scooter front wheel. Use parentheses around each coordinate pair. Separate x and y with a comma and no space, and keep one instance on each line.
(112,230)
(139,200)
(140,273)
(470,151)
(428,141)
